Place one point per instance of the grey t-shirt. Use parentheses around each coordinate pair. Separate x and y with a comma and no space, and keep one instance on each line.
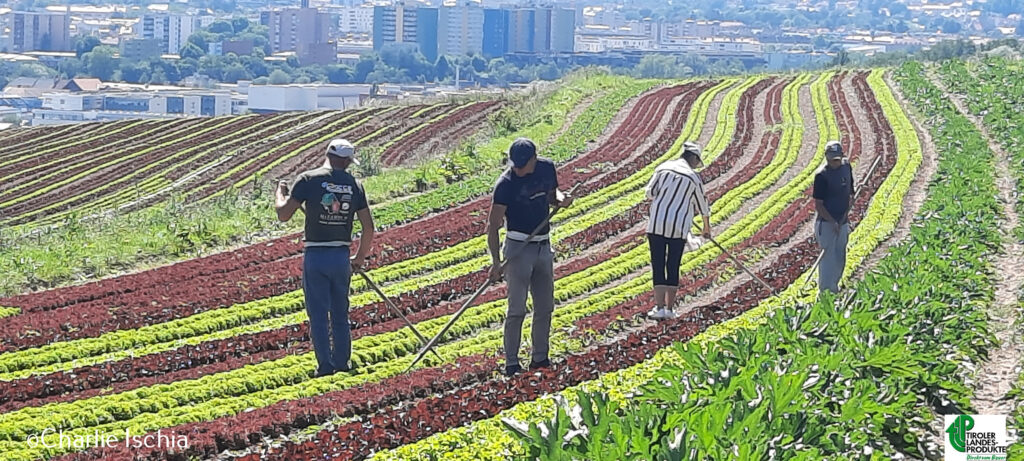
(332,197)
(835,187)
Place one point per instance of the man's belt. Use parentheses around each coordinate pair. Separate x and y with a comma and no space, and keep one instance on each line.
(521,237)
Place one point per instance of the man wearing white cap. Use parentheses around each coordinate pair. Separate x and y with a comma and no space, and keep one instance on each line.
(833,197)
(330,196)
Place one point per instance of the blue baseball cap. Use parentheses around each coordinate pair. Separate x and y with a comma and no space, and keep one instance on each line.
(834,150)
(521,151)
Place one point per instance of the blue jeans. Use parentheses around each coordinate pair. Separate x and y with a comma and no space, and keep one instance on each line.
(326,274)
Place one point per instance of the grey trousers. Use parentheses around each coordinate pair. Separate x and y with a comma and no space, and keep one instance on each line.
(530,270)
(834,260)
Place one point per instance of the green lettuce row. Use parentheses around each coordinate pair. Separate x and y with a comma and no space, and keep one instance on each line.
(81,174)
(488,440)
(65,142)
(153,184)
(67,163)
(426,109)
(725,120)
(480,314)
(424,125)
(8,311)
(112,345)
(145,186)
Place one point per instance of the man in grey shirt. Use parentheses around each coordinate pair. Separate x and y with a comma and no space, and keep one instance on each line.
(833,198)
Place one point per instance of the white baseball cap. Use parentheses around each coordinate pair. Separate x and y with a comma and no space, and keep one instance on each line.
(342,148)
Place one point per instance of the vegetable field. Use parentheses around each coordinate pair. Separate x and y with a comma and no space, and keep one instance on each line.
(216,349)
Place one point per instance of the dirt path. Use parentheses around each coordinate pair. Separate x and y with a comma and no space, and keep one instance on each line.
(708,129)
(994,377)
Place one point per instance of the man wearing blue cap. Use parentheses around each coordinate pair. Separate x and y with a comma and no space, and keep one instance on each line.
(833,197)
(330,197)
(522,199)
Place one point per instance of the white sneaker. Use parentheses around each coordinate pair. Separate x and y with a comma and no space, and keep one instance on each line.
(667,314)
(657,313)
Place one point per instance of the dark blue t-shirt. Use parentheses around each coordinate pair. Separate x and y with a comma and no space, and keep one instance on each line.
(528,197)
(835,187)
(332,197)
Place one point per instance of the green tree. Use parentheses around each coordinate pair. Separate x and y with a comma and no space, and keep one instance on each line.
(199,40)
(339,74)
(134,72)
(841,59)
(441,68)
(85,44)
(191,50)
(479,63)
(387,74)
(158,77)
(222,27)
(100,62)
(820,42)
(366,64)
(656,66)
(254,64)
(239,25)
(187,66)
(234,73)
(70,68)
(950,26)
(279,77)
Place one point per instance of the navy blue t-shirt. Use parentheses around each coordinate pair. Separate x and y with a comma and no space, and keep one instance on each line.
(835,187)
(332,197)
(527,198)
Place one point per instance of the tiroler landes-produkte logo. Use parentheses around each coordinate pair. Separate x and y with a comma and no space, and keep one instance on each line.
(976,437)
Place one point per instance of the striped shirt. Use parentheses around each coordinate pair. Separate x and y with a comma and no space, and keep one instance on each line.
(677,192)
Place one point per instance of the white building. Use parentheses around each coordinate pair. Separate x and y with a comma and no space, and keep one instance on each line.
(460,29)
(172,30)
(276,98)
(355,19)
(72,102)
(600,43)
(61,117)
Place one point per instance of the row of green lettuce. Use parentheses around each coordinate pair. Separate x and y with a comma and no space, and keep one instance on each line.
(861,376)
(80,251)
